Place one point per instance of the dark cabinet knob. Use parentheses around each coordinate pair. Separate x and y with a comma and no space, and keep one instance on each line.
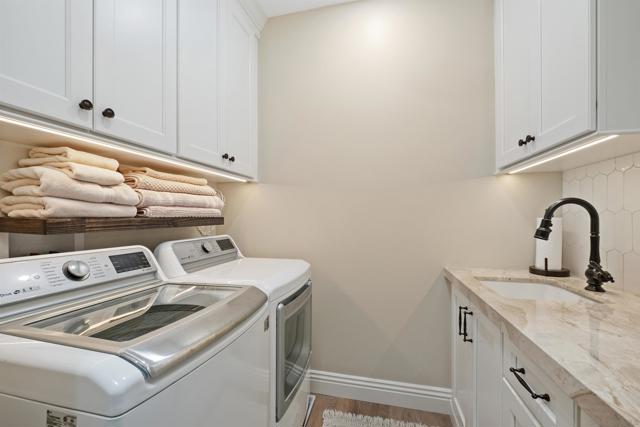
(108,113)
(225,156)
(529,138)
(521,143)
(85,104)
(232,159)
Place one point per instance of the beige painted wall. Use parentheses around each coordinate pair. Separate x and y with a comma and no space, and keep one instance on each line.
(376,158)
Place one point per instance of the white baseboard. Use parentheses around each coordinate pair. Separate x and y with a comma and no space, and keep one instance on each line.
(404,395)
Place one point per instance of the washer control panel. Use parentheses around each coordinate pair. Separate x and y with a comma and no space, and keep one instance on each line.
(207,248)
(30,277)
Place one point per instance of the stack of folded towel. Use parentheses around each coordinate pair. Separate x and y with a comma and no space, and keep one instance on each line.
(60,182)
(161,194)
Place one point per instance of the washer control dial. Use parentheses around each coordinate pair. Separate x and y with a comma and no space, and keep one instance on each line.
(206,247)
(76,270)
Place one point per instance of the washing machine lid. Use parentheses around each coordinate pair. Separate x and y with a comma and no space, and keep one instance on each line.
(157,328)
(276,277)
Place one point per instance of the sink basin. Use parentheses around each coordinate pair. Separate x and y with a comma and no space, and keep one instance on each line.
(532,291)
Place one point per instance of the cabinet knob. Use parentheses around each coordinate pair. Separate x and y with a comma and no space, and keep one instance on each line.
(529,138)
(521,142)
(108,113)
(85,104)
(232,159)
(225,156)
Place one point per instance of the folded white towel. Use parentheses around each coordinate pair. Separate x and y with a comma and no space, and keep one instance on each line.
(177,212)
(145,182)
(159,198)
(162,175)
(42,155)
(41,181)
(54,207)
(86,173)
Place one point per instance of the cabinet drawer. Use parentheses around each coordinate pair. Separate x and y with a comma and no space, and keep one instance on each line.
(558,411)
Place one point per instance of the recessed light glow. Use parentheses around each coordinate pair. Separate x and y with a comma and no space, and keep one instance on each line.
(564,153)
(117,148)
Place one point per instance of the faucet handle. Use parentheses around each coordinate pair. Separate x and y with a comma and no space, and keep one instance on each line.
(596,276)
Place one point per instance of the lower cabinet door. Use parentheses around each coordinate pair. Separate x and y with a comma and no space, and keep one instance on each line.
(514,411)
(463,360)
(488,372)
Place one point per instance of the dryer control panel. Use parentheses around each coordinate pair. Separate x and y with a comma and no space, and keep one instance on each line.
(31,277)
(197,254)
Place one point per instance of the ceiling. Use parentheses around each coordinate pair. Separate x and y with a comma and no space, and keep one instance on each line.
(282,7)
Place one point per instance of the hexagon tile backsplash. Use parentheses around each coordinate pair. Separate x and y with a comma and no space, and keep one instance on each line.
(613,186)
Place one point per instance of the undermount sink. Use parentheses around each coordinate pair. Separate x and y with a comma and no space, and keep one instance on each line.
(532,291)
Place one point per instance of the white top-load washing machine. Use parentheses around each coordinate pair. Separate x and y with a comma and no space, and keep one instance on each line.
(287,283)
(100,338)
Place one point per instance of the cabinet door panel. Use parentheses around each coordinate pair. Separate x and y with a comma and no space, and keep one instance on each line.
(135,71)
(488,372)
(46,57)
(463,363)
(239,130)
(568,69)
(517,77)
(198,130)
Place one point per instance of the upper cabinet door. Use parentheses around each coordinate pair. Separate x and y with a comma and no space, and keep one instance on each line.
(239,102)
(568,71)
(198,104)
(135,71)
(517,29)
(46,58)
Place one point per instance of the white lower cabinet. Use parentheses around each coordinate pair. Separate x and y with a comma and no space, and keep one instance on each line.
(494,384)
(476,351)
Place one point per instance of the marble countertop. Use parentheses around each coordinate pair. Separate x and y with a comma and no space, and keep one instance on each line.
(590,348)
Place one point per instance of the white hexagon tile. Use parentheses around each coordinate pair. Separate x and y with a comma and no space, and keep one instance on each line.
(613,186)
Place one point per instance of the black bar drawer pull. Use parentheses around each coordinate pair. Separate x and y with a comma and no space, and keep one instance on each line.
(460,308)
(534,395)
(464,325)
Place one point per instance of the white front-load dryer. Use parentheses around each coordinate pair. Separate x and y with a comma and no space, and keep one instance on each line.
(288,286)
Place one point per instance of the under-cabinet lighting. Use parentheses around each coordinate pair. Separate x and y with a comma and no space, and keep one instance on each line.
(117,148)
(564,153)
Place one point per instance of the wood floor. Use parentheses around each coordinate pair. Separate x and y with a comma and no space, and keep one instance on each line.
(374,410)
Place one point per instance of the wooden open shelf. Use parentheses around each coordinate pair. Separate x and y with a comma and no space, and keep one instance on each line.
(88,225)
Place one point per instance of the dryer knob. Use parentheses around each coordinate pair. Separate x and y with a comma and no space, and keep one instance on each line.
(76,270)
(206,247)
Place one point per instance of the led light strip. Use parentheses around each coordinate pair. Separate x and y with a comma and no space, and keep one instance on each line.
(117,148)
(564,153)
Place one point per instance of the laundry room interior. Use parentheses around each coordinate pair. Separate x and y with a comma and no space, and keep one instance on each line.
(319,213)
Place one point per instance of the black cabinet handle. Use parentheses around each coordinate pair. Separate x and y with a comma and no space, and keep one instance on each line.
(85,104)
(225,156)
(521,143)
(232,159)
(464,325)
(108,113)
(523,382)
(460,308)
(529,138)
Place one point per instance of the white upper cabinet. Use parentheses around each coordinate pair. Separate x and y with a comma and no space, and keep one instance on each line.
(545,75)
(568,71)
(46,58)
(135,74)
(239,96)
(198,101)
(517,77)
